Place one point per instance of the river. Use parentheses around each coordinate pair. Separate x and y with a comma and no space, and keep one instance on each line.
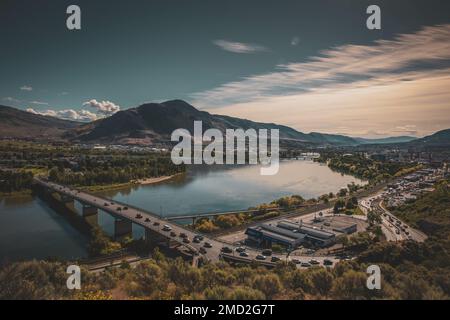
(30,229)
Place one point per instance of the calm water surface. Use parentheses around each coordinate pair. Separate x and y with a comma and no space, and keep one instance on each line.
(30,229)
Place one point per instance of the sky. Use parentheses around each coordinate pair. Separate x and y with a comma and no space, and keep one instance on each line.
(311,65)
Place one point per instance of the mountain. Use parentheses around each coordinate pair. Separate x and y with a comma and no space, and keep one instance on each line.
(440,138)
(400,139)
(16,123)
(154,122)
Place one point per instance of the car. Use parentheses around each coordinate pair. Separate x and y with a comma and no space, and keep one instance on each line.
(275,259)
(240,249)
(267,252)
(305,264)
(226,250)
(173,234)
(296,261)
(243,254)
(186,240)
(183,235)
(125,208)
(147,220)
(156,223)
(207,245)
(119,209)
(139,216)
(196,240)
(327,262)
(199,237)
(105,204)
(260,257)
(166,228)
(314,262)
(202,250)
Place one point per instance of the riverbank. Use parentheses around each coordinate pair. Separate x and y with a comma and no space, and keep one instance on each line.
(155,180)
(118,186)
(14,194)
(286,213)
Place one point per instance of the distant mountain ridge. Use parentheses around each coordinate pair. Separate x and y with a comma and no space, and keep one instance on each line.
(440,138)
(17,123)
(399,139)
(153,123)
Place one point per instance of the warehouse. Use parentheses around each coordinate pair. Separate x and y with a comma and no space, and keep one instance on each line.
(313,235)
(289,234)
(266,235)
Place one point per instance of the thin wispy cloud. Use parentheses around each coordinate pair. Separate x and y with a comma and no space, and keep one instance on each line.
(239,47)
(379,89)
(26,88)
(39,103)
(295,41)
(407,57)
(11,100)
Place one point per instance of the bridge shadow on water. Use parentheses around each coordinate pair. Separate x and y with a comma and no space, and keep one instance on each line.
(67,211)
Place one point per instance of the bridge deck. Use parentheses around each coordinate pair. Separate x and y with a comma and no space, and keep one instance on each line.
(212,254)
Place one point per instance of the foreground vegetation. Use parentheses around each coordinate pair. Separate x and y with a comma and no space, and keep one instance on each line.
(406,274)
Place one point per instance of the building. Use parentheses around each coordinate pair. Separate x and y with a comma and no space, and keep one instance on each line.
(266,235)
(290,235)
(316,236)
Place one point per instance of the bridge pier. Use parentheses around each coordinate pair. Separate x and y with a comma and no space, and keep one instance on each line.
(122,228)
(156,238)
(90,214)
(66,199)
(89,210)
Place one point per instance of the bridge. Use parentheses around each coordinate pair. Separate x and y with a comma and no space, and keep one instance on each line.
(155,226)
(125,215)
(197,216)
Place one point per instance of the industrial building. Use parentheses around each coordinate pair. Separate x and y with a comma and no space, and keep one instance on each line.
(291,235)
(266,235)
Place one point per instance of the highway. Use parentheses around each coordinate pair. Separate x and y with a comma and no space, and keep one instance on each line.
(393,228)
(148,220)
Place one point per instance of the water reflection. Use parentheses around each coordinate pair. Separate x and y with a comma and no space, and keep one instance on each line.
(204,188)
(29,228)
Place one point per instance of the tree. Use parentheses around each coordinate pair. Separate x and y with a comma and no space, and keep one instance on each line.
(322,280)
(269,284)
(338,206)
(342,192)
(373,217)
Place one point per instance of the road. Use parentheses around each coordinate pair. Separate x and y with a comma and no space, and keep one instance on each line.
(393,228)
(155,223)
